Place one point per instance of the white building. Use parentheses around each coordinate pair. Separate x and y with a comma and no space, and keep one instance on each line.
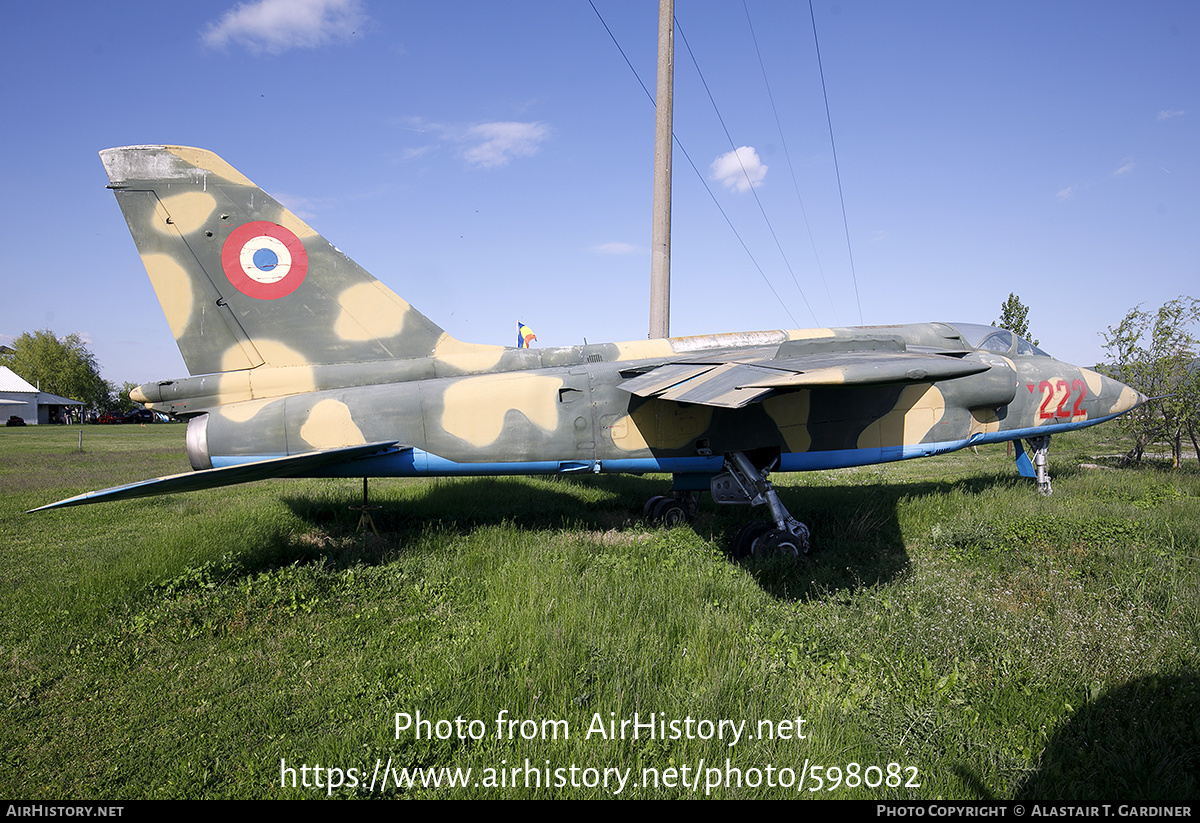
(19,398)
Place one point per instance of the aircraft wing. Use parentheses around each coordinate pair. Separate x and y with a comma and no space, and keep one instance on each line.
(734,384)
(289,466)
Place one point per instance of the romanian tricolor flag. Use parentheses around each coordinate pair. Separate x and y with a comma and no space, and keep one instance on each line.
(525,336)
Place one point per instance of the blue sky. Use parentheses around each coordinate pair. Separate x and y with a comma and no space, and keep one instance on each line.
(492,161)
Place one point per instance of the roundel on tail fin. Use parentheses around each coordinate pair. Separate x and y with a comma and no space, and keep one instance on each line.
(264,260)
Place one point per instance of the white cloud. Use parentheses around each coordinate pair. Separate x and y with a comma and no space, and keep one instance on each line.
(494,144)
(415,152)
(1066,194)
(1125,168)
(740,170)
(485,144)
(1167,114)
(274,26)
(616,247)
(301,206)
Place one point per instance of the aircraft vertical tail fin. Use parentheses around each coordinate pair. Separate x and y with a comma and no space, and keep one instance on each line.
(243,281)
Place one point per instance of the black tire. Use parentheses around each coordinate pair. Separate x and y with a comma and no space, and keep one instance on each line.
(777,543)
(650,506)
(743,543)
(671,513)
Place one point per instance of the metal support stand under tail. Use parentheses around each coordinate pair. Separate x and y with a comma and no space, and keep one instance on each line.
(1040,446)
(743,483)
(364,517)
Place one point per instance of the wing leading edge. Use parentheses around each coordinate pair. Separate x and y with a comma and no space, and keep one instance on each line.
(290,466)
(733,385)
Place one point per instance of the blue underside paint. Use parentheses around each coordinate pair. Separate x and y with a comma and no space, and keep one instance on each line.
(419,463)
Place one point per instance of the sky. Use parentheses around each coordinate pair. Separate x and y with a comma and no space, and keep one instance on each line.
(493,162)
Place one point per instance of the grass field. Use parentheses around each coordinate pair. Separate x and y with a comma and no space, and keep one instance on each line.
(955,635)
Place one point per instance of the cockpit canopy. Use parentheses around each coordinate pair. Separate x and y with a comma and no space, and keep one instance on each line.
(994,339)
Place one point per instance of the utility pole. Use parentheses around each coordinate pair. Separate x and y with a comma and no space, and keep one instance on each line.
(660,251)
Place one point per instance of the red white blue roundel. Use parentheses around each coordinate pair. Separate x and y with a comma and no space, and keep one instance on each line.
(264,260)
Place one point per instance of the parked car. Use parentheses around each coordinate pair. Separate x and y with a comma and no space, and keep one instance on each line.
(110,417)
(15,420)
(140,416)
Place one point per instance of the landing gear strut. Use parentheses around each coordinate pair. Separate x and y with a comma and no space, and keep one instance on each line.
(1036,467)
(743,483)
(1041,449)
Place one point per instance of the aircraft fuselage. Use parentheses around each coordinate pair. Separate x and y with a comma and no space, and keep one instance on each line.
(563,409)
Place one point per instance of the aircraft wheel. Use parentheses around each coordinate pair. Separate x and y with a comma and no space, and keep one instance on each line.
(671,513)
(651,505)
(747,536)
(780,544)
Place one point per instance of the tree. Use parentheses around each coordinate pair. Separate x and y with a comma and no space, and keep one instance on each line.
(120,397)
(1014,316)
(1157,355)
(64,367)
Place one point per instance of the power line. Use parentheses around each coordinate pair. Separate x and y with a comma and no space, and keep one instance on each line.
(836,168)
(791,168)
(753,190)
(700,176)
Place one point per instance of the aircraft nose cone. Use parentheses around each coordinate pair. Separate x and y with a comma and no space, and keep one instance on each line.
(1120,398)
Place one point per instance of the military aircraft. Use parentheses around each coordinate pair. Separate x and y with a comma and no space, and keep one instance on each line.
(304,365)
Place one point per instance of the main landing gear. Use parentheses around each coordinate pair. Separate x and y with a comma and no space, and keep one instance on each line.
(741,483)
(783,535)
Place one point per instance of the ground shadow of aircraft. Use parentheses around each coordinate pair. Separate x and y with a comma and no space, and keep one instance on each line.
(1138,743)
(304,365)
(865,548)
(862,544)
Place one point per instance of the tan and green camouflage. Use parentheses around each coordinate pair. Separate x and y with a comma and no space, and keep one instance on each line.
(302,363)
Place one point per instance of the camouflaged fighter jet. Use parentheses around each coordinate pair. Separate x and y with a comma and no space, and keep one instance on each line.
(304,365)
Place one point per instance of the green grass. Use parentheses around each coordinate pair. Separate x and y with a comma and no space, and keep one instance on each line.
(952,620)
